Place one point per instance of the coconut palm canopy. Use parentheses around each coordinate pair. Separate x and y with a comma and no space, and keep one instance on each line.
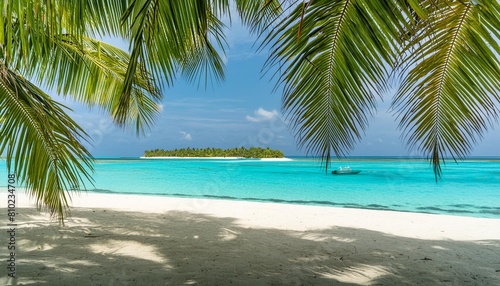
(54,44)
(333,58)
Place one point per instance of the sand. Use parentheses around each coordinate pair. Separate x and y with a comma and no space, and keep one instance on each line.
(145,240)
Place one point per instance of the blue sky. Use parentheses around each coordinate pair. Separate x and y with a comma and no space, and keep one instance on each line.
(241,111)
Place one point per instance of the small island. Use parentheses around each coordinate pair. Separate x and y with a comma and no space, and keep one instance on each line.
(242,152)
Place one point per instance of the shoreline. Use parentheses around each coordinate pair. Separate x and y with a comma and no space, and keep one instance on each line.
(119,239)
(85,199)
(284,202)
(310,216)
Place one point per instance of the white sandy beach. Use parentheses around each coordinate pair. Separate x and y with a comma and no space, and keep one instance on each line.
(146,240)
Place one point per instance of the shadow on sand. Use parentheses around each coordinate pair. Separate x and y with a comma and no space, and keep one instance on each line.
(102,247)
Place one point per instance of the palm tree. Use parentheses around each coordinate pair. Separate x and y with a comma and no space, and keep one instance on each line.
(54,44)
(337,57)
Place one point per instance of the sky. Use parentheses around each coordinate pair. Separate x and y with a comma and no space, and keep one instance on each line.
(243,110)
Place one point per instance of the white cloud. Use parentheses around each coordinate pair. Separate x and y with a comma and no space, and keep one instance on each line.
(185,136)
(262,115)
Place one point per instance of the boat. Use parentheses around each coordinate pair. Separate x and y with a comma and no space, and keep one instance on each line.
(345,171)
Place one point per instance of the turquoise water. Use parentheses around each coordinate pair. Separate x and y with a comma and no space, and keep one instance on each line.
(469,188)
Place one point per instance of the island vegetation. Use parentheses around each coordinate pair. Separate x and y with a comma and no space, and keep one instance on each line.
(253,152)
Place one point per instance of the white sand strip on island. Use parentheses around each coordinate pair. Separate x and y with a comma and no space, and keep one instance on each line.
(130,240)
(276,159)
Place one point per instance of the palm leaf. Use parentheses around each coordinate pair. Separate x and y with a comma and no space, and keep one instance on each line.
(166,43)
(43,142)
(191,44)
(334,58)
(450,68)
(93,72)
(259,15)
(39,138)
(88,70)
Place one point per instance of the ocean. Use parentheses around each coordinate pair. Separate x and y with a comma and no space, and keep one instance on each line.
(467,188)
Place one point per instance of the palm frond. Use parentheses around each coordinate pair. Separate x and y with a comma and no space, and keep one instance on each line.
(37,21)
(166,43)
(102,18)
(43,142)
(259,15)
(190,44)
(201,61)
(90,71)
(93,72)
(449,95)
(334,57)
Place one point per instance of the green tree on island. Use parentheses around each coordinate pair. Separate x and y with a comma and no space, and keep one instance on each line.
(334,58)
(253,152)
